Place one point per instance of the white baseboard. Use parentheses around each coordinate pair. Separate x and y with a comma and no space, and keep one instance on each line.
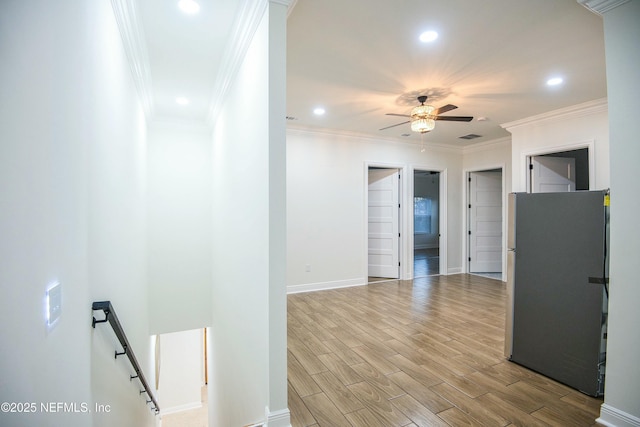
(181,408)
(613,417)
(321,286)
(456,270)
(281,418)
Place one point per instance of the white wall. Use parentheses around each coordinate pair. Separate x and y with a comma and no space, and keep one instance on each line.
(580,126)
(179,231)
(487,156)
(181,370)
(326,215)
(248,376)
(72,179)
(622,385)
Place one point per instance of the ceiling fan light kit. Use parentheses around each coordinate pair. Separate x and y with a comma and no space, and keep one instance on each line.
(421,120)
(422,125)
(423,117)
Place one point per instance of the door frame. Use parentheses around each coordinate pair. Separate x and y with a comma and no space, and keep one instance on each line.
(466,250)
(392,270)
(525,176)
(406,216)
(442,219)
(562,175)
(401,219)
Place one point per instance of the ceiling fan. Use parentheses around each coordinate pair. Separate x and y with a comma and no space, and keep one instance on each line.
(423,117)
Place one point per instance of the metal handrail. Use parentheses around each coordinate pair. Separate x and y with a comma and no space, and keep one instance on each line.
(112,318)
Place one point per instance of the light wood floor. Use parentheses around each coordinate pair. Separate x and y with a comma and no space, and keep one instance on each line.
(426,352)
(426,262)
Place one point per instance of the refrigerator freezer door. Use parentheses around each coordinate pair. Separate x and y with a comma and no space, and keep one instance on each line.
(557,313)
(511,264)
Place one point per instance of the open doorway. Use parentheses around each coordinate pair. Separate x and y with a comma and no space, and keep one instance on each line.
(180,361)
(485,223)
(559,172)
(426,223)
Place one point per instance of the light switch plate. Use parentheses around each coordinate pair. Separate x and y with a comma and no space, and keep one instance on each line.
(54,303)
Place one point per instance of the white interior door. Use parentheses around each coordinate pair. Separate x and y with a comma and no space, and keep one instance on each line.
(384,223)
(485,222)
(553,174)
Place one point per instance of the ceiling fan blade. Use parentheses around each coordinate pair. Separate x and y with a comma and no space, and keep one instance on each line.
(444,109)
(399,115)
(454,118)
(392,126)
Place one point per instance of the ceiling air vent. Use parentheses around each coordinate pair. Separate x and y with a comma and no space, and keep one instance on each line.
(291,118)
(470,136)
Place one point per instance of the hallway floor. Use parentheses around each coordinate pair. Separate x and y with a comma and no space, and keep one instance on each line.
(426,262)
(422,352)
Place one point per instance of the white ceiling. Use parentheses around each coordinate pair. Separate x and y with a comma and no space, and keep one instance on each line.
(360,59)
(185,53)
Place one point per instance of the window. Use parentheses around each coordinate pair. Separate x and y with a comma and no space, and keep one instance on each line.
(421,215)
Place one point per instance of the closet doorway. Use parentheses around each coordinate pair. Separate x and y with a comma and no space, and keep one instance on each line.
(426,223)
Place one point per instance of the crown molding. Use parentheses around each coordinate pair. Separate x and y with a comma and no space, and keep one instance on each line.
(601,6)
(132,34)
(246,25)
(289,4)
(300,130)
(244,28)
(286,3)
(574,111)
(292,4)
(487,145)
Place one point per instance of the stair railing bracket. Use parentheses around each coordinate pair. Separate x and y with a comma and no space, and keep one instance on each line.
(111,317)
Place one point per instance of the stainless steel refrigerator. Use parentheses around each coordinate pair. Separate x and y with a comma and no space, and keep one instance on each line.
(557,286)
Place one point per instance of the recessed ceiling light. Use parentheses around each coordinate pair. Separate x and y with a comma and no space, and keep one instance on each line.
(319,111)
(428,36)
(181,100)
(189,6)
(554,81)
